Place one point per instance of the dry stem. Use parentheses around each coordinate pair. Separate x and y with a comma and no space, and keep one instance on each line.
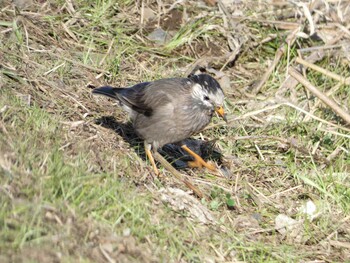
(178,175)
(328,101)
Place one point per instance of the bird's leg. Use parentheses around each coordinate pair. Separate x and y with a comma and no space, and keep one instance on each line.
(150,157)
(198,161)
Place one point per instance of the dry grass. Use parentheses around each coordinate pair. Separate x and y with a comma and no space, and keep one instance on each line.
(74,182)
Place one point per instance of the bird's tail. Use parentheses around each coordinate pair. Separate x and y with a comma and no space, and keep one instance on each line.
(107,91)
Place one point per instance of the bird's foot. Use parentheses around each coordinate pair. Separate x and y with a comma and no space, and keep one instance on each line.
(151,159)
(198,161)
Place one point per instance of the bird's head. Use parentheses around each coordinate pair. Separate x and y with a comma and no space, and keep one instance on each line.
(208,93)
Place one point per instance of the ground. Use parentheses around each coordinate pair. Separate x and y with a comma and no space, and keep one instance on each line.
(75,184)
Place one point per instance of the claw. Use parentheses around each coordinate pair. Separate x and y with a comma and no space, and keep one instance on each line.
(198,161)
(151,159)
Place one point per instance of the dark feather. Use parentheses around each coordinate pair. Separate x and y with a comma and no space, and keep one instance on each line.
(106,91)
(206,81)
(131,97)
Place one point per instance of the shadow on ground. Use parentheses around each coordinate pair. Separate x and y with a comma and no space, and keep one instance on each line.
(172,152)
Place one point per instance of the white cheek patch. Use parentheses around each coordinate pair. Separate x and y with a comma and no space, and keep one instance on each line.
(219,97)
(197,91)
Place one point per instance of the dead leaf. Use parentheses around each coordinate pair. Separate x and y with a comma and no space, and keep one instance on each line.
(179,200)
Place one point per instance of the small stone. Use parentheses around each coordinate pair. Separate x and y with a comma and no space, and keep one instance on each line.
(126,232)
(148,14)
(23,4)
(158,35)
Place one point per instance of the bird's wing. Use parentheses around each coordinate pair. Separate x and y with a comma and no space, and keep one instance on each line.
(147,97)
(130,97)
(133,98)
(161,92)
(155,95)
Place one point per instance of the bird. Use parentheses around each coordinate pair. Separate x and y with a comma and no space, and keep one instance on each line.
(170,110)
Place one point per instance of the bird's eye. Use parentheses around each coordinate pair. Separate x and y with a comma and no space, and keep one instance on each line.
(206,98)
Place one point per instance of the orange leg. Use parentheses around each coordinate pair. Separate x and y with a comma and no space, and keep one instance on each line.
(198,161)
(150,157)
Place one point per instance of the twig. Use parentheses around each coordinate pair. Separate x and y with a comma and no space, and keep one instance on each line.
(307,14)
(231,32)
(335,231)
(315,117)
(290,142)
(334,153)
(278,24)
(318,102)
(251,189)
(202,181)
(323,71)
(232,56)
(232,119)
(54,69)
(69,32)
(259,152)
(335,133)
(281,50)
(343,28)
(74,62)
(285,191)
(316,48)
(106,255)
(107,54)
(290,83)
(178,175)
(336,243)
(207,62)
(328,101)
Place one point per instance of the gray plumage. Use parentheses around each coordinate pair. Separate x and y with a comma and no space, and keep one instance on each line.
(169,110)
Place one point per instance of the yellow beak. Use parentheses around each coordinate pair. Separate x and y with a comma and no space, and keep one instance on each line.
(221,112)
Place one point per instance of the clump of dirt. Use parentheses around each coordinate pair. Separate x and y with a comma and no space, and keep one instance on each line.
(78,239)
(172,21)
